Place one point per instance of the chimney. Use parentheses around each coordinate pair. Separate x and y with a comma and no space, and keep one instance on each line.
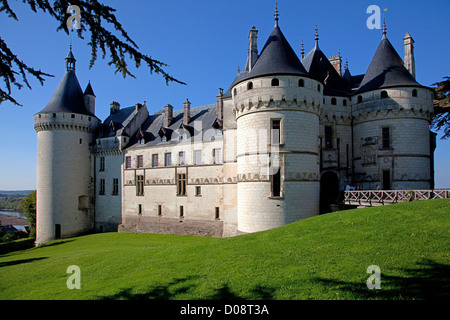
(114,107)
(137,106)
(168,115)
(336,62)
(253,48)
(409,61)
(187,112)
(219,108)
(89,98)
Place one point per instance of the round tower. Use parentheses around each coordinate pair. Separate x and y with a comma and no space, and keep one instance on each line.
(277,107)
(392,113)
(65,129)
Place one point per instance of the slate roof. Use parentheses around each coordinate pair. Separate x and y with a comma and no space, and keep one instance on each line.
(116,122)
(386,70)
(205,117)
(320,68)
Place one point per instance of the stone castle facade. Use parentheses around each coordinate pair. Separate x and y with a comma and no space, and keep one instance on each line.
(280,145)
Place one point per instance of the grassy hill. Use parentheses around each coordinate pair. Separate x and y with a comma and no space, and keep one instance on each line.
(324,257)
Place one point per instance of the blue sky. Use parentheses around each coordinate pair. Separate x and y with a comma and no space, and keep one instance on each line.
(204,43)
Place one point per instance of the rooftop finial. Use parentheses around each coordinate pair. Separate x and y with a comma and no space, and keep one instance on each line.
(384,23)
(276,14)
(303,51)
(316,34)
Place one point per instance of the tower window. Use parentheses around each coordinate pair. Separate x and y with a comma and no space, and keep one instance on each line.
(360,99)
(181,211)
(301,82)
(328,137)
(386,179)
(344,102)
(102,164)
(383,94)
(250,85)
(139,209)
(386,138)
(333,101)
(276,132)
(414,93)
(217,213)
(102,187)
(318,87)
(276,184)
(159,210)
(54,115)
(275,82)
(81,141)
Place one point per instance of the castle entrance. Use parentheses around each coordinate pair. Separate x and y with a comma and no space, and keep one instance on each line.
(329,191)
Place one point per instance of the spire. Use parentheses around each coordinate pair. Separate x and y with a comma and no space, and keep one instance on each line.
(276,14)
(316,37)
(384,28)
(303,51)
(70,60)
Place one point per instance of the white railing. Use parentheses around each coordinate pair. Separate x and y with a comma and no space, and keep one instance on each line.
(382,197)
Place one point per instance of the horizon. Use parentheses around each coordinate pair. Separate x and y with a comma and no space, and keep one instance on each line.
(204,43)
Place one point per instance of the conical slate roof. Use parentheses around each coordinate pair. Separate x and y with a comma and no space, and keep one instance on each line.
(88,90)
(320,68)
(386,70)
(68,96)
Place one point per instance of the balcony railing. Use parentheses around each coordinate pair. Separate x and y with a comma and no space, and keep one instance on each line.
(382,197)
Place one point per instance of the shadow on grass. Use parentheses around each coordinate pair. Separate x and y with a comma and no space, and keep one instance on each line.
(15,262)
(428,280)
(180,286)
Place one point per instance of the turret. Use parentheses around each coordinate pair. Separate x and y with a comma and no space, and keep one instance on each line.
(89,98)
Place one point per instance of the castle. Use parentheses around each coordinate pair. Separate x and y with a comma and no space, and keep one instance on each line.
(280,145)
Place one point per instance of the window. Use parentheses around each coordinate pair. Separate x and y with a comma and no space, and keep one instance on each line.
(154,160)
(181,184)
(139,209)
(333,101)
(182,137)
(217,213)
(81,141)
(140,185)
(318,87)
(383,94)
(328,137)
(54,115)
(159,210)
(167,159)
(386,141)
(102,187)
(250,85)
(140,161)
(275,132)
(301,82)
(344,102)
(414,93)
(276,184)
(181,212)
(360,99)
(127,162)
(182,158)
(72,116)
(115,187)
(57,231)
(164,139)
(386,179)
(102,163)
(217,155)
(198,157)
(198,191)
(275,82)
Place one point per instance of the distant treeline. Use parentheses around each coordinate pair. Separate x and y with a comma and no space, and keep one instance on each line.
(11,204)
(14,194)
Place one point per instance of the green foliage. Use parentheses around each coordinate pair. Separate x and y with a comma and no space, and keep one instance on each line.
(11,204)
(29,211)
(324,257)
(441,120)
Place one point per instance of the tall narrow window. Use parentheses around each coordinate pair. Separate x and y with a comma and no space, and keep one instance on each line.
(159,210)
(140,185)
(57,231)
(198,157)
(217,155)
(333,101)
(139,209)
(328,137)
(217,213)
(386,138)
(250,85)
(181,211)
(276,184)
(198,191)
(102,187)
(182,158)
(386,179)
(127,162)
(181,184)
(360,99)
(154,160)
(167,159)
(102,163)
(115,186)
(276,132)
(414,93)
(140,161)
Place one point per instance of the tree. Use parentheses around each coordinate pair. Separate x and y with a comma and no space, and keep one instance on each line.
(441,102)
(95,18)
(29,211)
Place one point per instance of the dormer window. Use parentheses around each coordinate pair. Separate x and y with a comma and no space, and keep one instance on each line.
(275,82)
(333,101)
(164,139)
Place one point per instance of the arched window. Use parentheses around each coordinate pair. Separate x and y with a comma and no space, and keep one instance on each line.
(250,85)
(275,82)
(359,99)
(414,93)
(383,94)
(333,101)
(301,82)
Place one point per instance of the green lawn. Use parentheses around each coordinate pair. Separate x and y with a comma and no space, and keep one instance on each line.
(324,257)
